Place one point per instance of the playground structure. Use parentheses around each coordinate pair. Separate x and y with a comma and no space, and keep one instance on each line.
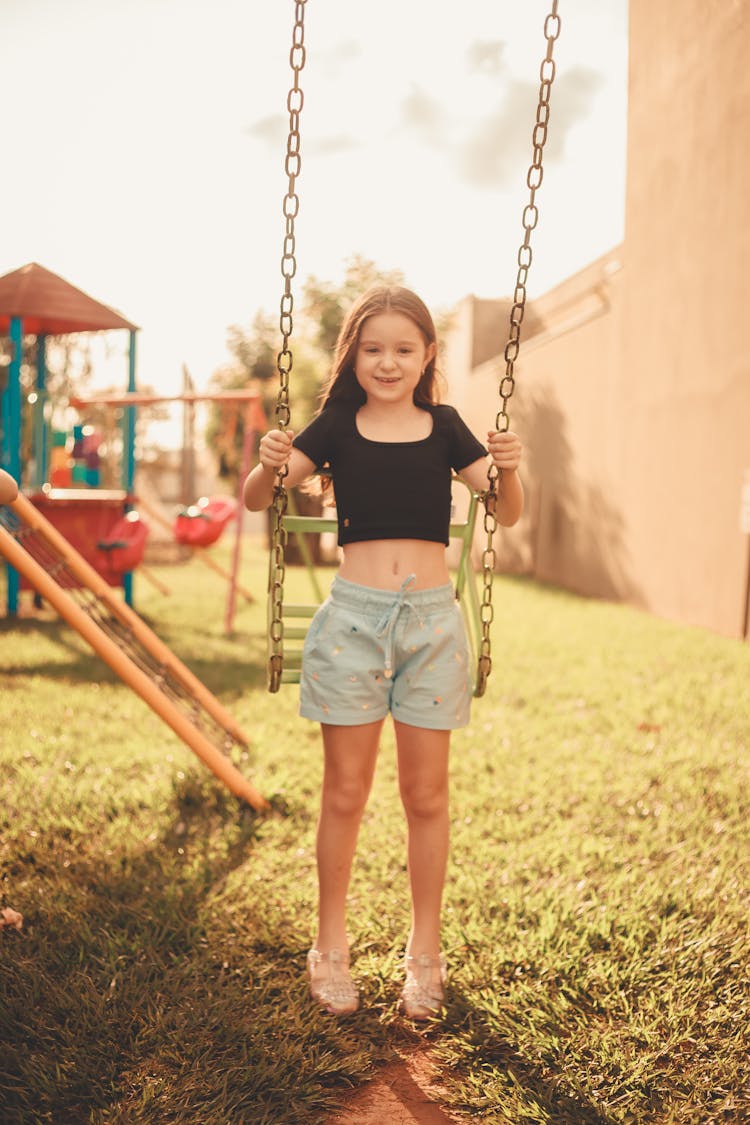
(200,524)
(102,528)
(37,532)
(61,470)
(36,302)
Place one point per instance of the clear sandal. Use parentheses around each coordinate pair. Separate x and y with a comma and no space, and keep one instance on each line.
(334,990)
(423,993)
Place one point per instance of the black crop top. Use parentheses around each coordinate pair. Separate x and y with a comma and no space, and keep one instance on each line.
(390,490)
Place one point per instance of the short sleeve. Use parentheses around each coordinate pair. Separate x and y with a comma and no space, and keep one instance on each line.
(316,439)
(464,447)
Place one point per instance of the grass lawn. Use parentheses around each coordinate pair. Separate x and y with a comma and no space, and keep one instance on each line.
(596,911)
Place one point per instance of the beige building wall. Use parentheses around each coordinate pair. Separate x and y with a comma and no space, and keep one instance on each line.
(686,303)
(634,379)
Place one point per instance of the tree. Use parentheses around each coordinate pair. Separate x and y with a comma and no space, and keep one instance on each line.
(326,304)
(255,350)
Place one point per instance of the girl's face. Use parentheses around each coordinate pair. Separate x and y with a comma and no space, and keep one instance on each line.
(390,358)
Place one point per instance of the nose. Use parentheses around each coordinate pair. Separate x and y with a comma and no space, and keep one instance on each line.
(387,361)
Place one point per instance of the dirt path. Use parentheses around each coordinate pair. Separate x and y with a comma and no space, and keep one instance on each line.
(406,1092)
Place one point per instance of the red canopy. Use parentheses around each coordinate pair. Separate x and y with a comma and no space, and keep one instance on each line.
(47,303)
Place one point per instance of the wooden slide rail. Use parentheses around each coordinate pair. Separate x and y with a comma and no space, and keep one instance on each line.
(186,726)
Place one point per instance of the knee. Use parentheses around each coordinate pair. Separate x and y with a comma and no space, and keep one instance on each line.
(423,800)
(345,798)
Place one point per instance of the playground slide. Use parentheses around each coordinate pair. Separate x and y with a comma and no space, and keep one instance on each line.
(117,634)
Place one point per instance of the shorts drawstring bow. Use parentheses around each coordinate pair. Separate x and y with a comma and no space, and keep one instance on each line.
(386,627)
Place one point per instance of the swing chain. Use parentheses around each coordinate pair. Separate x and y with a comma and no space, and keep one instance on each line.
(284,359)
(507,385)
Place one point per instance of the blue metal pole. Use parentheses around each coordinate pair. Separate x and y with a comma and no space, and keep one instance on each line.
(41,425)
(11,404)
(11,412)
(128,422)
(128,446)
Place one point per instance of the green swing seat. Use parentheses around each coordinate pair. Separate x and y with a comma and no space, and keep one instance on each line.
(296,617)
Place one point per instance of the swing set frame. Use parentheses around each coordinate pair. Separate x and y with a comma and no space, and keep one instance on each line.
(290,622)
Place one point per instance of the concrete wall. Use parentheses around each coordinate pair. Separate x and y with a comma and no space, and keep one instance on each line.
(634,380)
(686,361)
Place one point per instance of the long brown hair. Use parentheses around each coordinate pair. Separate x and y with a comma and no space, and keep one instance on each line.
(342,384)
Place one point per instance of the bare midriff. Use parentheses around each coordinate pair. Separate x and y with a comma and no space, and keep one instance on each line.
(385,563)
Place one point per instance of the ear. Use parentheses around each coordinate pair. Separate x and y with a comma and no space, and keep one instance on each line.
(430,353)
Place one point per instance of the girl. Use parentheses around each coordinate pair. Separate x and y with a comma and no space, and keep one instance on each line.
(390,635)
(8,487)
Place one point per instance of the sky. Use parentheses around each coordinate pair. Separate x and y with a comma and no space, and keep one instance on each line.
(144,145)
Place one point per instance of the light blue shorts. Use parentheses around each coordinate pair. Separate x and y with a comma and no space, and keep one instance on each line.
(371,651)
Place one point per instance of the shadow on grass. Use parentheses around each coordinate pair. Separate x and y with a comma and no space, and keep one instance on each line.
(114,931)
(542,1092)
(224,676)
(149,984)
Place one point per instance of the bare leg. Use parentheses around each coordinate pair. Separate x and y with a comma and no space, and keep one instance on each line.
(423,783)
(350,757)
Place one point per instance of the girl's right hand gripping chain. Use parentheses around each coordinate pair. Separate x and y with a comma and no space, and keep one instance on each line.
(275,449)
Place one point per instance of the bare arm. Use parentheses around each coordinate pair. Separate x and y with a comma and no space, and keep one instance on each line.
(8,488)
(275,450)
(505,452)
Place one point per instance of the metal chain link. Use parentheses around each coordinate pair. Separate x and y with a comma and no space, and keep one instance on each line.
(284,359)
(529,220)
